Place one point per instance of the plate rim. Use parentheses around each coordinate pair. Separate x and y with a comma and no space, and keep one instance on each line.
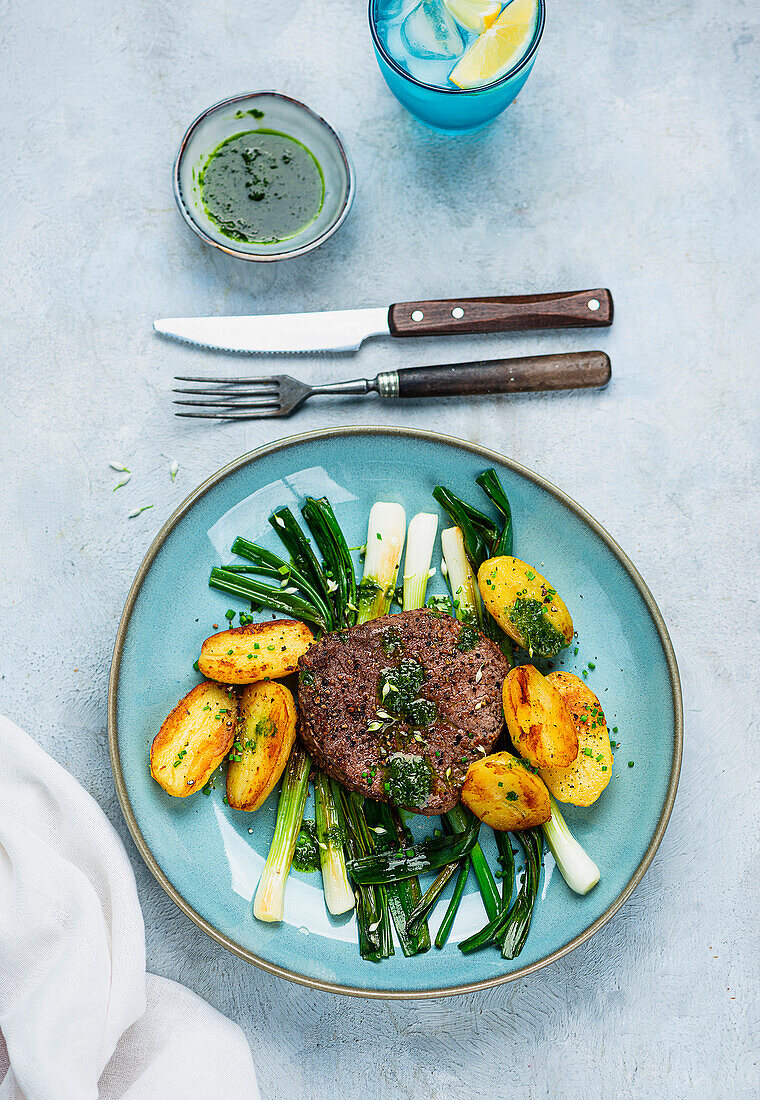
(492,456)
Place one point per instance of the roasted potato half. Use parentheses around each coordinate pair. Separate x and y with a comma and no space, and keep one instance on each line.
(194,739)
(538,721)
(265,736)
(260,651)
(588,775)
(502,792)
(525,605)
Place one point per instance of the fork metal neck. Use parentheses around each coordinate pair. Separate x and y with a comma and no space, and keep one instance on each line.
(385,384)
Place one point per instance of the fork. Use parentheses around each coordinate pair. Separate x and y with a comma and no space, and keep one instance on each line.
(280,395)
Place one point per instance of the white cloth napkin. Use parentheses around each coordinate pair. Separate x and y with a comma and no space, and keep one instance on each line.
(80,1017)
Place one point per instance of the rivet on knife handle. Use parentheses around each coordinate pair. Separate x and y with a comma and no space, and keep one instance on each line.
(568,309)
(566,371)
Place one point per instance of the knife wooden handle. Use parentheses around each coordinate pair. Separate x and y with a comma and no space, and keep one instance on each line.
(568,371)
(569,309)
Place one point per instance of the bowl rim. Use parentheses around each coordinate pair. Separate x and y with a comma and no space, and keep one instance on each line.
(524,60)
(268,257)
(490,456)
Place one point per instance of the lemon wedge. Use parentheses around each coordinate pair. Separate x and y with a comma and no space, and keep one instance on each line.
(499,48)
(475,15)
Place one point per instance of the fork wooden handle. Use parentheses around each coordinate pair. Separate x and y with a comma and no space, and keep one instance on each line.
(568,371)
(568,309)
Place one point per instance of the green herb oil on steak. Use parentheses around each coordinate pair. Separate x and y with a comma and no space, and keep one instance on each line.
(399,689)
(534,627)
(407,780)
(468,638)
(306,854)
(261,187)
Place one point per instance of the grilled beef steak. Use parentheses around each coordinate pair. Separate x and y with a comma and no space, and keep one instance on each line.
(399,707)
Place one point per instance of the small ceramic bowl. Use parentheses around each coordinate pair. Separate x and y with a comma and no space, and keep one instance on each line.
(278,112)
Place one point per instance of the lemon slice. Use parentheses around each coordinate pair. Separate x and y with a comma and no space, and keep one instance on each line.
(499,48)
(475,15)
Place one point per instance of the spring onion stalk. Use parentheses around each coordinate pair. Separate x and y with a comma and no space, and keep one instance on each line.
(576,867)
(491,486)
(448,918)
(465,594)
(269,902)
(388,831)
(375,940)
(300,550)
(408,890)
(467,552)
(428,855)
(253,570)
(269,564)
(339,566)
(458,820)
(507,863)
(518,922)
(237,584)
(385,541)
(481,522)
(420,539)
(509,928)
(346,560)
(339,897)
(430,898)
(477,538)
(491,933)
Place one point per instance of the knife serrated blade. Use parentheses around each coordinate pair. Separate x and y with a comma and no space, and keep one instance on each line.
(332,330)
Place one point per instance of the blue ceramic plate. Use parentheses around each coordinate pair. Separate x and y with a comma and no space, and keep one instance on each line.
(208,857)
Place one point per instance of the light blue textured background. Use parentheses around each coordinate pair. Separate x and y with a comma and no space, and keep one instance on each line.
(630,160)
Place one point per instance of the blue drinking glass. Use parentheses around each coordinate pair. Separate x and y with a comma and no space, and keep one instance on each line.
(454,110)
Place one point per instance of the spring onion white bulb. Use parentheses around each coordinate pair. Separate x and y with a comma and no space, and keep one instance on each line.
(339,897)
(576,867)
(464,586)
(420,540)
(269,903)
(385,542)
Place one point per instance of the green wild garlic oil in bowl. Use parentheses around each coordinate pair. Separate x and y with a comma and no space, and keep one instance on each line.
(263,178)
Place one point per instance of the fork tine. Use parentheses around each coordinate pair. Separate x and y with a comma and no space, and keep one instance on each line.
(266,404)
(274,379)
(230,393)
(229,415)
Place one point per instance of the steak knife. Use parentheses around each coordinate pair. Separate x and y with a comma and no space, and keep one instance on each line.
(346,329)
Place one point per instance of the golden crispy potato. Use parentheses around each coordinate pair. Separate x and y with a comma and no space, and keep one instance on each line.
(194,739)
(525,606)
(538,721)
(588,775)
(265,736)
(261,651)
(502,792)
